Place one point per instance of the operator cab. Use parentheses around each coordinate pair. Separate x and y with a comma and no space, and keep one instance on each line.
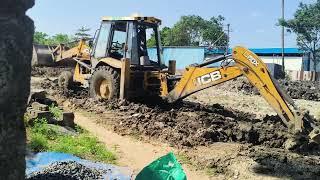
(126,37)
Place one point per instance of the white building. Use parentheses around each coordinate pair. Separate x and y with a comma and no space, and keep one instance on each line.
(295,60)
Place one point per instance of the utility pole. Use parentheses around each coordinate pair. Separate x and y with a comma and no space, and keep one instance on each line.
(228,39)
(282,37)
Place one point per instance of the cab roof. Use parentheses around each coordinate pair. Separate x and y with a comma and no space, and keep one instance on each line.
(152,20)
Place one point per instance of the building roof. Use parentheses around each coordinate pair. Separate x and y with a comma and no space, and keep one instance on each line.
(132,18)
(261,51)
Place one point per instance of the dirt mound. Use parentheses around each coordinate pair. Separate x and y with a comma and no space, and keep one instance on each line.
(188,124)
(184,123)
(279,163)
(193,124)
(240,84)
(307,90)
(48,71)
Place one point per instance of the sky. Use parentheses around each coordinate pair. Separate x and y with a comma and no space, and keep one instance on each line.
(253,22)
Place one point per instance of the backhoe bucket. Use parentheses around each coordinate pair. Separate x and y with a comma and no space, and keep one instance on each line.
(42,55)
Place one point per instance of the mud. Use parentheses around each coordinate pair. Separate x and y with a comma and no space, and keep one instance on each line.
(193,124)
(307,90)
(277,162)
(257,162)
(185,123)
(189,125)
(48,71)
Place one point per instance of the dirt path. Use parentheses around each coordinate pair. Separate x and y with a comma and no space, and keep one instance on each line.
(131,152)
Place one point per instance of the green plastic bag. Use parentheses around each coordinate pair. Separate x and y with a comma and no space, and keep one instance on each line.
(164,168)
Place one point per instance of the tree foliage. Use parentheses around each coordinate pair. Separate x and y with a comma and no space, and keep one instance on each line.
(44,39)
(83,33)
(40,38)
(193,30)
(60,38)
(306,24)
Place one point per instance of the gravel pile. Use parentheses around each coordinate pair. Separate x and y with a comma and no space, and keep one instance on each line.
(66,170)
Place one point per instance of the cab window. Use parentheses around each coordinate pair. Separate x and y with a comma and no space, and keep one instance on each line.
(118,40)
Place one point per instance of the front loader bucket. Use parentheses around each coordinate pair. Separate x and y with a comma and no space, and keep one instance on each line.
(42,55)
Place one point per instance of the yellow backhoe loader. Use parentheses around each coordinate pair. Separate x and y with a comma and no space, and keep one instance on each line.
(117,65)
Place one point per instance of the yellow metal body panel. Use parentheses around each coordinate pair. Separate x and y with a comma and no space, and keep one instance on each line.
(258,75)
(125,78)
(81,51)
(111,62)
(78,76)
(164,90)
(196,79)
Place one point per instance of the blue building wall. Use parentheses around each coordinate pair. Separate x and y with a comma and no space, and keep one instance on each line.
(260,51)
(183,55)
(190,55)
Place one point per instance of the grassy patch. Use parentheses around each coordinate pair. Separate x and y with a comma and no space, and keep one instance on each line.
(211,171)
(45,138)
(38,143)
(184,159)
(56,111)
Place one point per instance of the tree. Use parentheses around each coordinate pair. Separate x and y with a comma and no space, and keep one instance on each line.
(40,38)
(193,31)
(60,39)
(213,33)
(188,31)
(82,33)
(306,24)
(165,36)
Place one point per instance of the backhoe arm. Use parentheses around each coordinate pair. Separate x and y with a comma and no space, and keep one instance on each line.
(197,78)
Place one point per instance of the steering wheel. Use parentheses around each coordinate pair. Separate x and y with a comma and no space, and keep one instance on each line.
(116,46)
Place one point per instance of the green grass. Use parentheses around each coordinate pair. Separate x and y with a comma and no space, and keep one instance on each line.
(183,158)
(38,143)
(56,111)
(44,138)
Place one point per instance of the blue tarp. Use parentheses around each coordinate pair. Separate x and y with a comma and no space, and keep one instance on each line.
(42,160)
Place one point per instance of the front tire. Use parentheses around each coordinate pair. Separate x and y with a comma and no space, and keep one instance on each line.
(105,83)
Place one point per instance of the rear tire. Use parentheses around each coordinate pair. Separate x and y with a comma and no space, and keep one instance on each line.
(65,80)
(105,83)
